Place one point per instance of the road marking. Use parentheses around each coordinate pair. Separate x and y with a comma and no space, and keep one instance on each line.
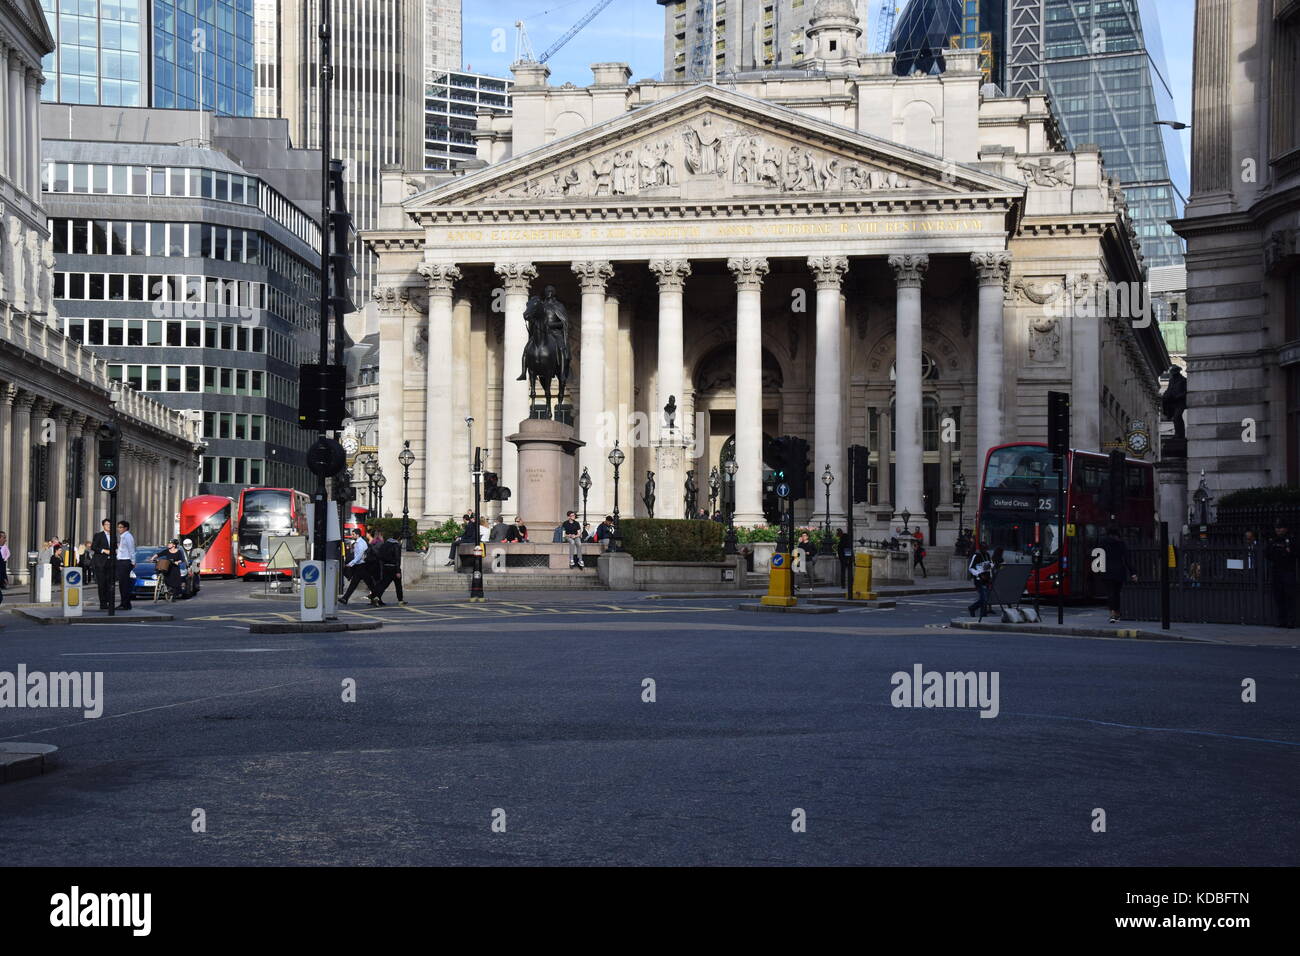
(198,650)
(1162,730)
(180,703)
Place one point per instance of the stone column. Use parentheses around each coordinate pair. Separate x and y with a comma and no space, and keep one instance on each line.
(460,485)
(909,273)
(15,125)
(72,525)
(439,426)
(8,394)
(56,524)
(593,276)
(33,177)
(991,270)
(828,396)
(618,297)
(21,537)
(670,444)
(749,274)
(90,516)
(4,106)
(516,277)
(885,487)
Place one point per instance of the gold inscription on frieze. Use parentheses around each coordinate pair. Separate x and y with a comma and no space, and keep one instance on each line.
(865,226)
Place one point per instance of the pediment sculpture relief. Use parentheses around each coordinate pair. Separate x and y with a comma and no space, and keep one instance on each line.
(725,152)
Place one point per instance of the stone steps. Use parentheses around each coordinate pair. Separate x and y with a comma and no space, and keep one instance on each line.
(445,579)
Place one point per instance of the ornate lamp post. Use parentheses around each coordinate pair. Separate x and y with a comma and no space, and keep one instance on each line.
(907,517)
(380,480)
(828,479)
(616,458)
(959,496)
(584,482)
(730,467)
(406,458)
(715,484)
(370,467)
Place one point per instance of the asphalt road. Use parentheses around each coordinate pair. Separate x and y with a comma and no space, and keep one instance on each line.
(529,710)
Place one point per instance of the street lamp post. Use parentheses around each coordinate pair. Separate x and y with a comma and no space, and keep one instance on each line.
(730,468)
(907,517)
(616,459)
(380,480)
(406,458)
(715,484)
(828,479)
(584,482)
(959,496)
(370,467)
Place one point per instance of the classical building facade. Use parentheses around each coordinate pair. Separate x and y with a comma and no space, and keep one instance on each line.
(853,257)
(1243,260)
(54,393)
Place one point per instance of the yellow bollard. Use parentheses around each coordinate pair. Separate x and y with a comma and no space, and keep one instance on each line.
(862,578)
(780,583)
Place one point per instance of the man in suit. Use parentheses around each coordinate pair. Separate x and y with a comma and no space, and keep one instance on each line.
(102,561)
(125,563)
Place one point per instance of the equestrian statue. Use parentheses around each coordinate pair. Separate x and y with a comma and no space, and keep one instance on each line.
(546,355)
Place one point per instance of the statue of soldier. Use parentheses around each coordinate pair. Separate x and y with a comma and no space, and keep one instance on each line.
(553,318)
(692,494)
(648,496)
(1174,402)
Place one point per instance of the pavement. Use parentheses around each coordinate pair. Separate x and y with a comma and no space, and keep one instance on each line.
(1095,622)
(603,728)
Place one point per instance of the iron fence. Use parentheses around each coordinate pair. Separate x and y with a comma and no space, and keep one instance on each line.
(1211,582)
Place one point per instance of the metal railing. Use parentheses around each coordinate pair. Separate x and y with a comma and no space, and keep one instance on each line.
(1213,583)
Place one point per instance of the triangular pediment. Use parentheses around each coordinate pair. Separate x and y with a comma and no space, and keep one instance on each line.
(31,16)
(709,144)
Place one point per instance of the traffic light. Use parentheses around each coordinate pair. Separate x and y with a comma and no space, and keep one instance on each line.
(109,448)
(1058,422)
(794,463)
(1115,482)
(860,468)
(326,458)
(340,244)
(493,490)
(321,390)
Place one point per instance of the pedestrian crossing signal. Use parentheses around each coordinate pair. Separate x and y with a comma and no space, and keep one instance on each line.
(108,448)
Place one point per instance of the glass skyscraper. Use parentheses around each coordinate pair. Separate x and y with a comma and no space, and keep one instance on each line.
(159,53)
(926,28)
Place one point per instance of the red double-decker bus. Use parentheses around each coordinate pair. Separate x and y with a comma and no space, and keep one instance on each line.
(208,522)
(1017,512)
(266,511)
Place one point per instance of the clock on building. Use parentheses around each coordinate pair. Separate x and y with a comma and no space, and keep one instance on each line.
(1139,438)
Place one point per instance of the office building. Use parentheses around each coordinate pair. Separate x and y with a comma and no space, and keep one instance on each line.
(452,99)
(152,53)
(192,270)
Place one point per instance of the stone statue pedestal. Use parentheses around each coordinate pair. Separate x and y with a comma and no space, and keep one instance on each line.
(670,475)
(1171,479)
(547,482)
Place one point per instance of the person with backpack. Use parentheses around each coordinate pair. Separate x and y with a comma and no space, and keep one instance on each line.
(1116,569)
(918,559)
(980,568)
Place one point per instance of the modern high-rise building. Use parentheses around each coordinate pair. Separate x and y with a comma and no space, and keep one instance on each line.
(152,53)
(452,99)
(442,35)
(192,270)
(1103,66)
(745,35)
(377,104)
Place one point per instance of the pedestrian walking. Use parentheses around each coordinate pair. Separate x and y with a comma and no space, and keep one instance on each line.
(358,569)
(918,559)
(1281,555)
(125,564)
(388,561)
(572,532)
(806,550)
(1116,569)
(980,569)
(844,548)
(4,564)
(102,560)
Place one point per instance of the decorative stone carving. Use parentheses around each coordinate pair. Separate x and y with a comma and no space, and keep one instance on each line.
(749,271)
(707,148)
(442,276)
(828,271)
(516,276)
(593,275)
(991,268)
(671,273)
(392,299)
(909,270)
(1046,172)
(1044,338)
(1280,246)
(1027,291)
(14,254)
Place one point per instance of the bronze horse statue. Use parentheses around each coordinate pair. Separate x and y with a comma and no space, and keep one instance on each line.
(546,354)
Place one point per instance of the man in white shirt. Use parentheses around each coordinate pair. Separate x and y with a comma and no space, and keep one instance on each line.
(125,563)
(357,570)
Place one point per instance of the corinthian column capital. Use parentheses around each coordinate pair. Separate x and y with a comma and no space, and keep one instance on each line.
(671,273)
(828,270)
(516,276)
(991,268)
(909,271)
(593,274)
(749,271)
(442,277)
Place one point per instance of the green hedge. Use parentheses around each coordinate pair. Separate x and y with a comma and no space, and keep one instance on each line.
(1261,497)
(672,539)
(392,527)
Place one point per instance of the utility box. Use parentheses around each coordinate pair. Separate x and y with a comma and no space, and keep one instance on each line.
(862,578)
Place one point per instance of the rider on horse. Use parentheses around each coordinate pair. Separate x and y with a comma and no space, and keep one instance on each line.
(553,322)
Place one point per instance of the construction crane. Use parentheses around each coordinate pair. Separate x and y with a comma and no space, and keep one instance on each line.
(524,49)
(885,15)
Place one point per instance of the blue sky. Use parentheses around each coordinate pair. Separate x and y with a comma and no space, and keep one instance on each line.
(632,31)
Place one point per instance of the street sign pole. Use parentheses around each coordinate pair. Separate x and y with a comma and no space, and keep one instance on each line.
(476,573)
(847,573)
(112,546)
(780,579)
(1164,575)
